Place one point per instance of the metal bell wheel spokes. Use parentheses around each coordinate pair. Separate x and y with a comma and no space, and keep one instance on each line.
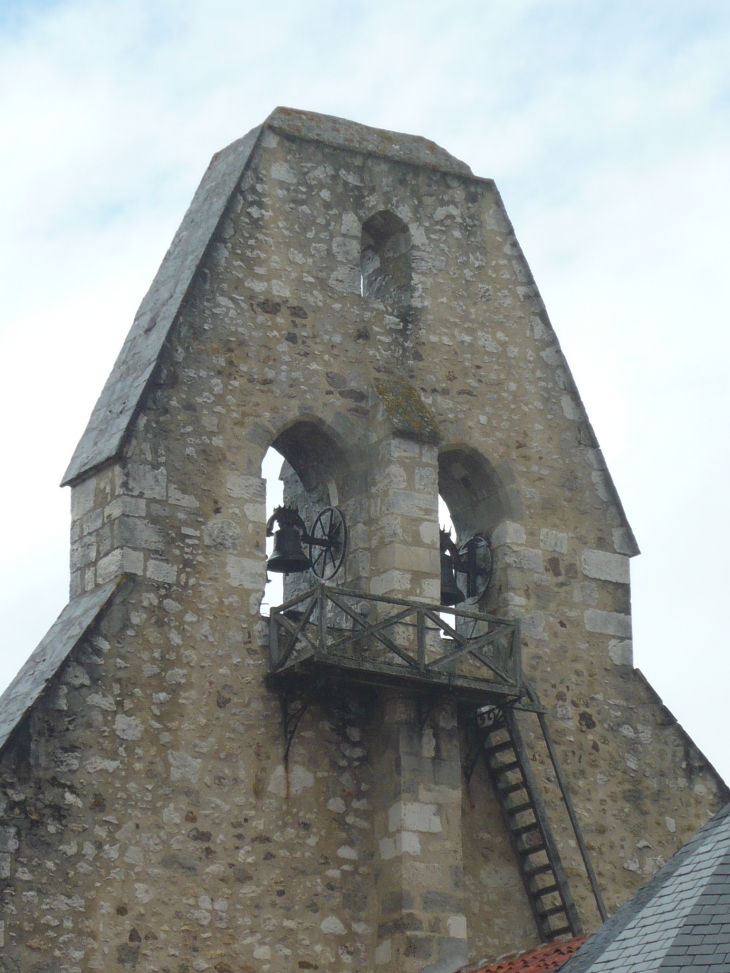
(477,563)
(328,543)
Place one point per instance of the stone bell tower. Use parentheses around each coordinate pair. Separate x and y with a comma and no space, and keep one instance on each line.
(435,750)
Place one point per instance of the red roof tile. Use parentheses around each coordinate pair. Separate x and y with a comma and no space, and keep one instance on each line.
(544,959)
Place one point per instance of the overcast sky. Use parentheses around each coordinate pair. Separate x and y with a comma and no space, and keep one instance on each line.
(605,125)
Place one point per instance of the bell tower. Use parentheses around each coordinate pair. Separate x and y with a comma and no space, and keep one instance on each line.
(436,749)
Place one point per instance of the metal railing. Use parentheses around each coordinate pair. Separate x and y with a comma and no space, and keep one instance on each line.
(381,636)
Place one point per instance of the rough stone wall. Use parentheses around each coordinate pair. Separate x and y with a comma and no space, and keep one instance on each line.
(153,823)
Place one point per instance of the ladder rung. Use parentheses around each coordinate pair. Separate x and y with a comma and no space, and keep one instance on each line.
(532,850)
(519,808)
(545,890)
(500,747)
(554,933)
(525,829)
(538,870)
(546,913)
(511,788)
(504,768)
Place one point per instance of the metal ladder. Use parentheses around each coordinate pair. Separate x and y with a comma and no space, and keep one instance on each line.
(527,824)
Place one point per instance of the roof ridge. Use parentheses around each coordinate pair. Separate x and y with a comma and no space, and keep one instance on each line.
(343,133)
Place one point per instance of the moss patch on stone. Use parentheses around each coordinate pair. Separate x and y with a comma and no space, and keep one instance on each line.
(411,418)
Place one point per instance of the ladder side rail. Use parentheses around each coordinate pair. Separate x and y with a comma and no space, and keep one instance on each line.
(517,849)
(566,895)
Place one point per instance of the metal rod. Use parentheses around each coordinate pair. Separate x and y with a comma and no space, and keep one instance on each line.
(562,783)
(421,638)
(322,618)
(273,642)
(517,652)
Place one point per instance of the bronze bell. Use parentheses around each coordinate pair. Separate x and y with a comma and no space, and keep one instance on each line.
(451,593)
(288,556)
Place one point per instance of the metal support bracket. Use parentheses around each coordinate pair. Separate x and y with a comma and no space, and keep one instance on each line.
(291,718)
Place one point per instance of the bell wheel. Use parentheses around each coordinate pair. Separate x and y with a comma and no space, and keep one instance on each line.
(476,554)
(328,544)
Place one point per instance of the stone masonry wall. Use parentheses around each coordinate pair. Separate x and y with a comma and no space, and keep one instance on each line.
(148,818)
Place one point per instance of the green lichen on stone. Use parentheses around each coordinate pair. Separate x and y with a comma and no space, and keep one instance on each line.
(411,418)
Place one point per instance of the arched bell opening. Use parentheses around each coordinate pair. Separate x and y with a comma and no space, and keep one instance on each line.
(477,501)
(308,476)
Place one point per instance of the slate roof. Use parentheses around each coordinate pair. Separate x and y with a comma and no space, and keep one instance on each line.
(33,678)
(107,428)
(680,920)
(545,959)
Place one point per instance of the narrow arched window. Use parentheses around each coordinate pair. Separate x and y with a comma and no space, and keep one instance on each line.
(385,259)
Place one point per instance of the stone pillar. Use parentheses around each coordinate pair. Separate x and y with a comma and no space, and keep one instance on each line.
(404,517)
(421,926)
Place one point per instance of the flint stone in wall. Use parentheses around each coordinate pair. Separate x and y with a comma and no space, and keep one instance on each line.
(183,766)
(333,926)
(177,860)
(8,839)
(128,727)
(347,250)
(608,623)
(76,676)
(350,226)
(283,172)
(605,566)
(346,279)
(103,702)
(95,764)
